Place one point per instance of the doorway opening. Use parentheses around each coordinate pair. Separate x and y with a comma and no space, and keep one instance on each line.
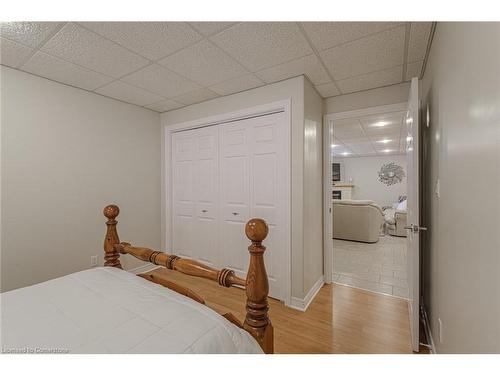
(368,192)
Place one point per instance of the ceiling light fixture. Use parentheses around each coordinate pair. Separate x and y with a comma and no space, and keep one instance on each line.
(384,141)
(387,150)
(334,145)
(380,124)
(345,153)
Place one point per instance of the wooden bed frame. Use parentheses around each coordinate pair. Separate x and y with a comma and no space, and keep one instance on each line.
(256,322)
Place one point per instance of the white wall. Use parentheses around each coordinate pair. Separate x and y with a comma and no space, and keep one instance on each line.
(313,186)
(462,256)
(364,174)
(288,89)
(66,153)
(369,98)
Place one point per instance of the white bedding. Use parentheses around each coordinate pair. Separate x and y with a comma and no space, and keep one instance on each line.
(108,310)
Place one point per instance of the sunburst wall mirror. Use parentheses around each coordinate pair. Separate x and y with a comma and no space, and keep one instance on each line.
(391,174)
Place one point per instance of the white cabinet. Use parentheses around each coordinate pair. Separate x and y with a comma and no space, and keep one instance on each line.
(224,175)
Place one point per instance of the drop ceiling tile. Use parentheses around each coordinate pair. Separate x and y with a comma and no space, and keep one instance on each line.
(196,96)
(348,131)
(237,84)
(343,151)
(328,89)
(372,53)
(160,80)
(128,93)
(63,71)
(165,105)
(371,80)
(152,40)
(325,35)
(419,38)
(390,131)
(211,28)
(13,54)
(392,138)
(362,148)
(260,45)
(31,34)
(391,118)
(413,70)
(307,65)
(204,63)
(80,46)
(388,152)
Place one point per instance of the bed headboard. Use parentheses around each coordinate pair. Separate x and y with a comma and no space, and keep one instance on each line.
(256,284)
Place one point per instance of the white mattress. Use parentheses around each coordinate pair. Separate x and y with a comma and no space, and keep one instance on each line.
(108,310)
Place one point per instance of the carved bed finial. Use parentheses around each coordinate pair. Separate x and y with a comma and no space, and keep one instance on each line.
(257,321)
(111,211)
(111,255)
(256,230)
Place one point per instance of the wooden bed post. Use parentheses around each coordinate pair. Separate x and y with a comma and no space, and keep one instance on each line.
(111,255)
(257,321)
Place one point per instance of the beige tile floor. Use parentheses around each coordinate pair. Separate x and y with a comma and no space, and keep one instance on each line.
(378,267)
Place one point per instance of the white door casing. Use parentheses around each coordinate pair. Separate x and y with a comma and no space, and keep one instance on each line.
(413,218)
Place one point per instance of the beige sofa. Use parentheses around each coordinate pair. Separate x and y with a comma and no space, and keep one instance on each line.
(357,220)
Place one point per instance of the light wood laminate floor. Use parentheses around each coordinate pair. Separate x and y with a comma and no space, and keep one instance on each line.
(341,319)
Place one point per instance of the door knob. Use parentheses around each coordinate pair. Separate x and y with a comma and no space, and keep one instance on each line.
(204,211)
(235,213)
(414,228)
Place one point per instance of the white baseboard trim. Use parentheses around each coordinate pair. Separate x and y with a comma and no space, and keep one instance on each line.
(303,303)
(144,268)
(428,333)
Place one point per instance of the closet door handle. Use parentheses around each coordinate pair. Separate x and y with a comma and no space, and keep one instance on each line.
(235,213)
(204,211)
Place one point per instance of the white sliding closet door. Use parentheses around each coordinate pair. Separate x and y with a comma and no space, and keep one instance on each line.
(195,194)
(223,175)
(252,183)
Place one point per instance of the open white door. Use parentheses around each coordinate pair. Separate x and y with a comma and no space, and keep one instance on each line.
(413,215)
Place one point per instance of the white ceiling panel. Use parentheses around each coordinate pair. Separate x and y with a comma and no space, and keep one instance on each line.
(413,70)
(367,142)
(377,52)
(238,84)
(371,80)
(389,131)
(259,45)
(161,81)
(419,38)
(343,151)
(196,61)
(210,28)
(387,139)
(308,65)
(80,46)
(63,71)
(31,34)
(152,40)
(196,96)
(164,105)
(392,118)
(330,34)
(343,130)
(362,148)
(13,54)
(328,89)
(128,93)
(204,63)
